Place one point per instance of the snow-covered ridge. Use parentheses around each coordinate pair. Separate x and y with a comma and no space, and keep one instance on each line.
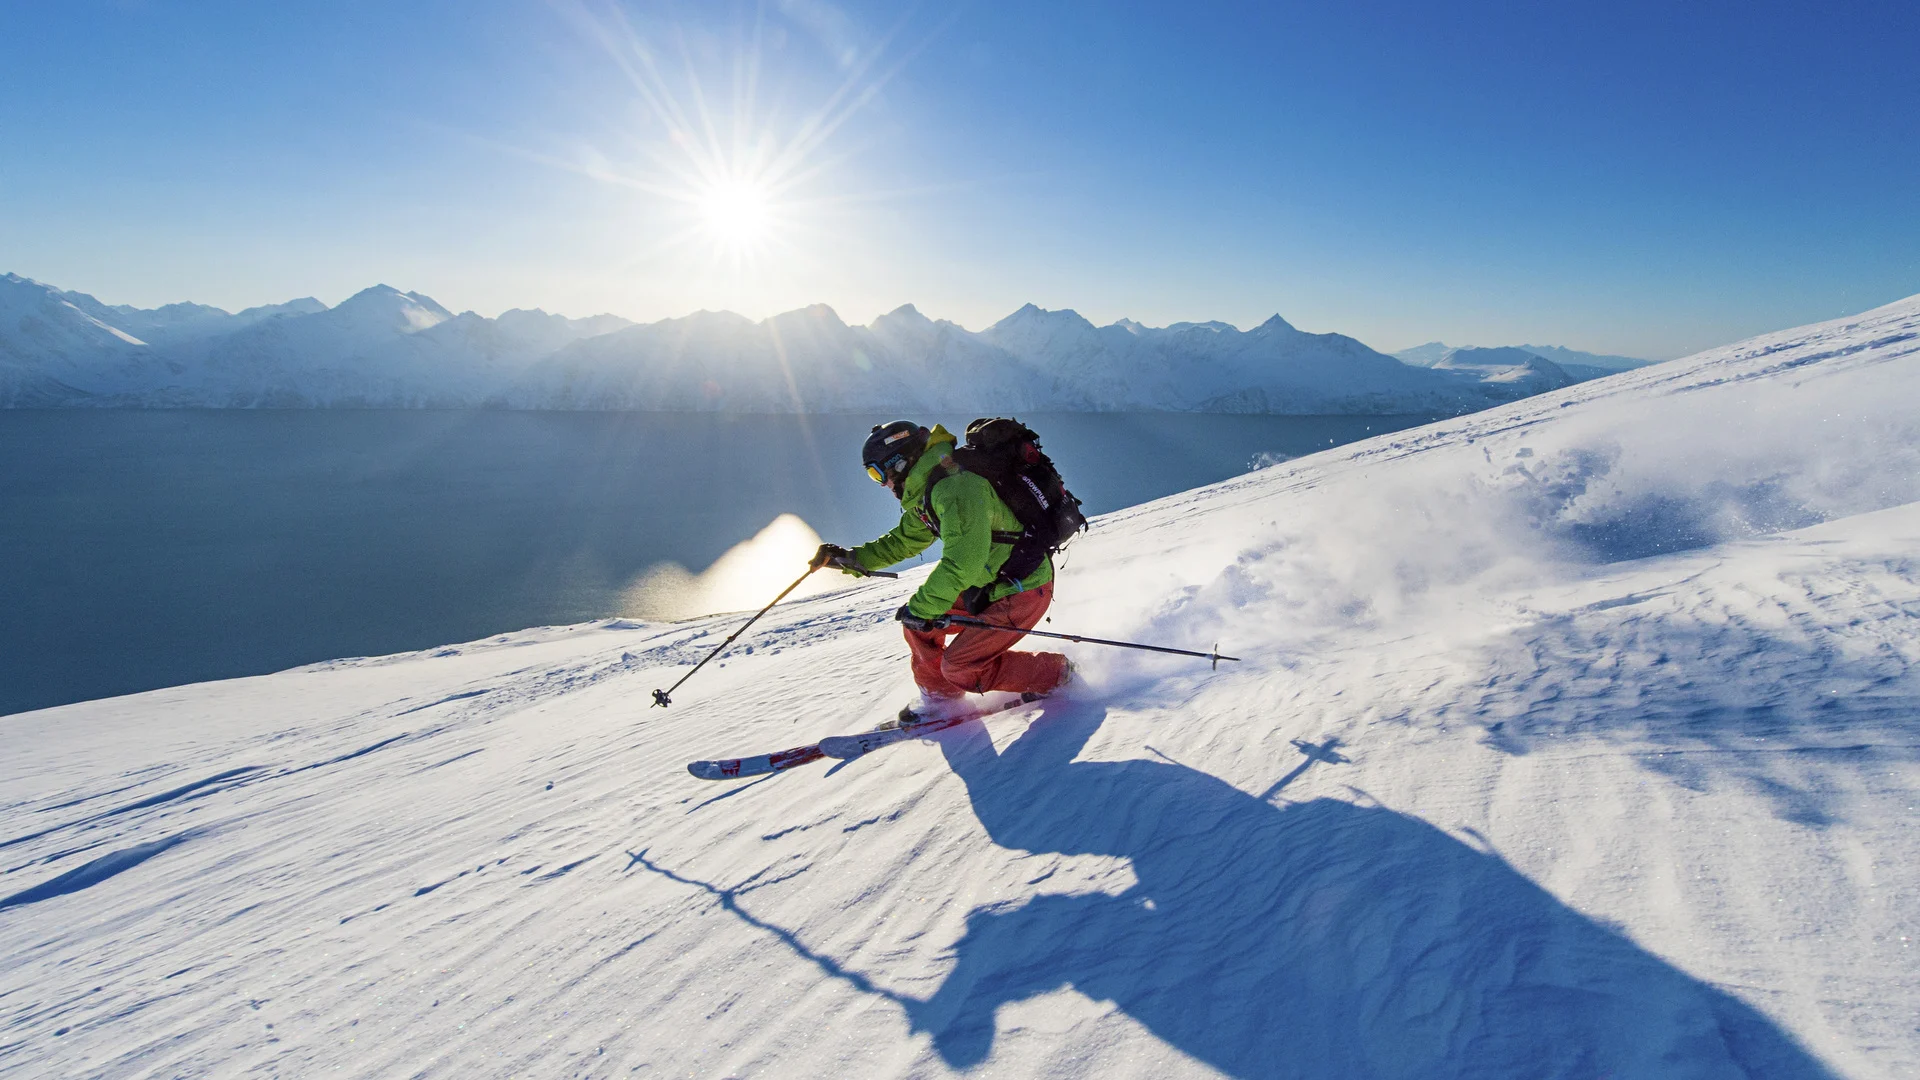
(1576,737)
(1564,365)
(387,348)
(811,361)
(380,347)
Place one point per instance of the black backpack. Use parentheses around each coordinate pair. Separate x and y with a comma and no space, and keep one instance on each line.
(1007,453)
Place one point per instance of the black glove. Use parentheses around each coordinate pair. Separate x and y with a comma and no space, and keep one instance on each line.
(837,557)
(914,622)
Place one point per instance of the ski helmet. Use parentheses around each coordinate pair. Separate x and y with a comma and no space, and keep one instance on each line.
(892,449)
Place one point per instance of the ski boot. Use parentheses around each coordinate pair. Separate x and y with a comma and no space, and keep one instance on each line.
(929,707)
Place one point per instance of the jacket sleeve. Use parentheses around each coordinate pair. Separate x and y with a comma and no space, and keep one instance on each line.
(903,541)
(965,509)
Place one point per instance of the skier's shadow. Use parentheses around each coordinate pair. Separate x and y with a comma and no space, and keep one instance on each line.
(1310,940)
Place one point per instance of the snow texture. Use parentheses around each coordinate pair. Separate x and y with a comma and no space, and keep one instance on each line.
(385,348)
(1574,738)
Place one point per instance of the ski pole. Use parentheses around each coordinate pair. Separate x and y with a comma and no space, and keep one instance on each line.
(1214,656)
(664,697)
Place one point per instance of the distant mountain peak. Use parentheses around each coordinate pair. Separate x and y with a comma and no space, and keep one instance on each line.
(385,305)
(1583,365)
(906,318)
(816,314)
(1034,317)
(704,319)
(1560,354)
(1474,356)
(305,305)
(53,321)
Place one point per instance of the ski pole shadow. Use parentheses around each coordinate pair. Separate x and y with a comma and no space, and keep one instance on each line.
(1311,939)
(1315,755)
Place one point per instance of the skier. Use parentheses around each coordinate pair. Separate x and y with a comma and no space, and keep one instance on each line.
(977,530)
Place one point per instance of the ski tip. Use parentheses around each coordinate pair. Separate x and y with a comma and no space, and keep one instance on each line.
(706,770)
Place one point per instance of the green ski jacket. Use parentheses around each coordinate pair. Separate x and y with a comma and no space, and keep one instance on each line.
(967,513)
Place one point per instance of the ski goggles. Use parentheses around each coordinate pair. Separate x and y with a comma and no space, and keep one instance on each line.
(880,472)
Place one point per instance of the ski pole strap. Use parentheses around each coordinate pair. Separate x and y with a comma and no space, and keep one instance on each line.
(1215,656)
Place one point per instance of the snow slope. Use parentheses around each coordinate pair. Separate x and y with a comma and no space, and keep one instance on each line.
(47,343)
(1573,738)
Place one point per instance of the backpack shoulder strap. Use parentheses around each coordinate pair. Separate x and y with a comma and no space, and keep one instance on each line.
(949,468)
(946,468)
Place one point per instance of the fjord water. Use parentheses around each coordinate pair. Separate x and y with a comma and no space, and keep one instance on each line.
(150,548)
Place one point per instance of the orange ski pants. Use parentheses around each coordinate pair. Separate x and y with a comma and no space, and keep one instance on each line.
(977,661)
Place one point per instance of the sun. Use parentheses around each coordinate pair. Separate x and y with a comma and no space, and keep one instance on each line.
(719,179)
(737,214)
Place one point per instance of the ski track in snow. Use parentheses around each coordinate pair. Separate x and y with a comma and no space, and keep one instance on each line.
(1574,738)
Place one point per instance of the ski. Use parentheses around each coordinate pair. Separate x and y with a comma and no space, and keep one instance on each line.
(839,746)
(757,765)
(847,747)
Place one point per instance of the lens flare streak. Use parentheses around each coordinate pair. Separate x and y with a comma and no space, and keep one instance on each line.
(739,187)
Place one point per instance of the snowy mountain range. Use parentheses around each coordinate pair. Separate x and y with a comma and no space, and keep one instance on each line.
(384,348)
(379,348)
(1574,738)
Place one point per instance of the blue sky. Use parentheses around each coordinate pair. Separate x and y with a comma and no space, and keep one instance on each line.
(1648,178)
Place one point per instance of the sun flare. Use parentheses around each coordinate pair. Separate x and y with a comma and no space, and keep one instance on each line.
(737,214)
(739,580)
(736,195)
